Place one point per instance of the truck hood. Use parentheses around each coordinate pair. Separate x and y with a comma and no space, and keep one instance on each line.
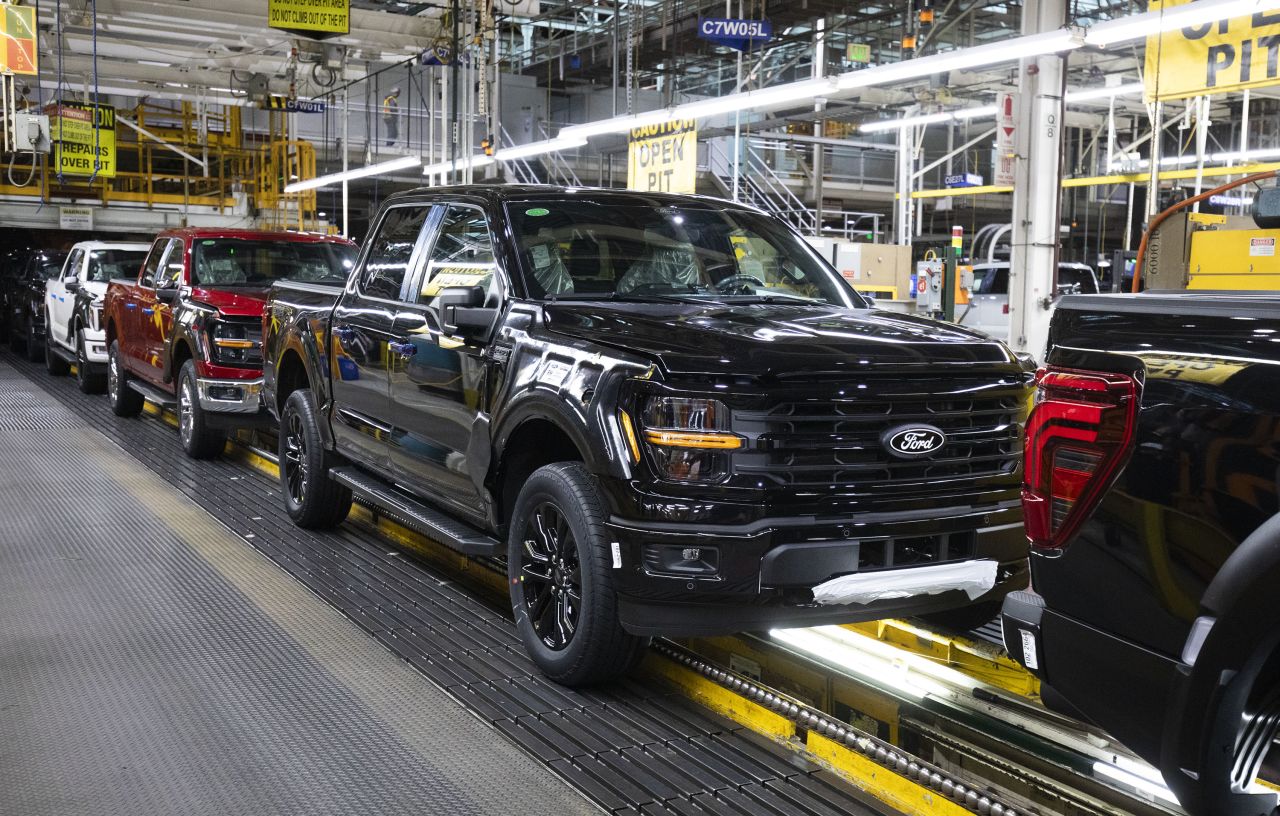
(237,302)
(772,338)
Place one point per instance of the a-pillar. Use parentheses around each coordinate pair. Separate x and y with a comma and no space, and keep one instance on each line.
(1037,184)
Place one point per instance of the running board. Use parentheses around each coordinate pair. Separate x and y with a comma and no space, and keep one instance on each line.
(58,351)
(450,532)
(152,393)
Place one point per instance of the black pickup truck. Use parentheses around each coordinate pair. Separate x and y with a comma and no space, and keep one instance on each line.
(1153,488)
(667,413)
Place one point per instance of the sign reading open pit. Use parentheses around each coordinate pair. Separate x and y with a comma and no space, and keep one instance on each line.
(664,158)
(1227,55)
(310,16)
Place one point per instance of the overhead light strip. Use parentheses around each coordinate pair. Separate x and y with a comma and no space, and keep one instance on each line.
(1082,96)
(402,163)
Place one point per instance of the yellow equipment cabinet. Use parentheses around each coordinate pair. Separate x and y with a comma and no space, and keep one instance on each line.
(1245,259)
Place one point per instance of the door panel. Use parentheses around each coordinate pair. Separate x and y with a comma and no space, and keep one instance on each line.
(439,389)
(60,302)
(155,318)
(132,333)
(362,326)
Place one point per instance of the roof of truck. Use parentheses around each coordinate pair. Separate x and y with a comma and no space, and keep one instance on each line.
(195,233)
(525,192)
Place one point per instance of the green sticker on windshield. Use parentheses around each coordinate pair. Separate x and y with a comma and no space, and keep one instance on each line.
(537,211)
(208,243)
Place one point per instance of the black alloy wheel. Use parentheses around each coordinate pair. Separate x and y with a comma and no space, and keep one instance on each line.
(551,577)
(35,347)
(293,458)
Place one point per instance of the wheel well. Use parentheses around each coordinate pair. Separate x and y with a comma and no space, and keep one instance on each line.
(536,443)
(291,375)
(181,353)
(111,333)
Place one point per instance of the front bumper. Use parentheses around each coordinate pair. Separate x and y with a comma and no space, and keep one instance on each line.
(95,346)
(711,579)
(230,396)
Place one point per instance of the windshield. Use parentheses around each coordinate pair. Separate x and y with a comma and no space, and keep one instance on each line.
(105,264)
(250,262)
(588,250)
(1076,280)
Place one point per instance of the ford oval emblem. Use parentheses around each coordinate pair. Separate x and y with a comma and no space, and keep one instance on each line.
(913,441)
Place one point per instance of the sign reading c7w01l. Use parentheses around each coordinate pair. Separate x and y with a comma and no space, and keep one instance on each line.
(664,158)
(1227,55)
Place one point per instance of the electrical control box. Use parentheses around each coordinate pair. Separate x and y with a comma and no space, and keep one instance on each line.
(929,276)
(31,132)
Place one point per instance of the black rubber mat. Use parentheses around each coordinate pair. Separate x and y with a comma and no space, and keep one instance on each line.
(150,663)
(630,748)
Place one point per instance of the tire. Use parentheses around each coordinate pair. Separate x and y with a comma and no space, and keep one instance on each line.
(561,581)
(53,363)
(34,345)
(965,618)
(88,381)
(311,498)
(125,402)
(198,439)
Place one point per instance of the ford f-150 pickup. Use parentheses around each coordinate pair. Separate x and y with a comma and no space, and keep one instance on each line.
(1152,500)
(667,413)
(186,331)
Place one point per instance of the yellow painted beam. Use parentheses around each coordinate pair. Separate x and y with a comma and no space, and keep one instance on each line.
(720,700)
(889,787)
(1119,178)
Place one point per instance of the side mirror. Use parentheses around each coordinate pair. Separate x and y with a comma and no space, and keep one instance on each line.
(871,301)
(71,283)
(169,296)
(462,310)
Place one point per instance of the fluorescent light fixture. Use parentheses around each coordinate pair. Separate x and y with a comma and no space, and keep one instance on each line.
(1142,784)
(1032,45)
(402,163)
(1141,26)
(1094,94)
(705,108)
(478,160)
(156,64)
(983,111)
(829,643)
(525,151)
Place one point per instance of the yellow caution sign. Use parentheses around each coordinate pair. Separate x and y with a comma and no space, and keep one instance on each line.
(664,158)
(84,137)
(1228,55)
(319,16)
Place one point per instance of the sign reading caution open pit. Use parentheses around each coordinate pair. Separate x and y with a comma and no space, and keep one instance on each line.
(1227,55)
(664,158)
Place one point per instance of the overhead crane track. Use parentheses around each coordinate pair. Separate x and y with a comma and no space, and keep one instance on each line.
(630,747)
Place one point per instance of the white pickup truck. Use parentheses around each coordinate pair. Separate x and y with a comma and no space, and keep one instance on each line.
(73,308)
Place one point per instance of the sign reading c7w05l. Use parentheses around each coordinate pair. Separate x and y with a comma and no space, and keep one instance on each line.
(1227,55)
(664,158)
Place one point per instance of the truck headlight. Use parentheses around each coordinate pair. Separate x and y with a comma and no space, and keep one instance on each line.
(689,438)
(237,343)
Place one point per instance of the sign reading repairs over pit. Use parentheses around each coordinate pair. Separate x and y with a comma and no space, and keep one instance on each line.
(1227,55)
(664,158)
(310,16)
(81,131)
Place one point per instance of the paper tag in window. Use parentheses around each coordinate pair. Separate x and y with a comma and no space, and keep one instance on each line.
(456,275)
(1029,650)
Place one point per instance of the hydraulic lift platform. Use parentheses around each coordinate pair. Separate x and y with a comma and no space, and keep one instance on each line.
(160,653)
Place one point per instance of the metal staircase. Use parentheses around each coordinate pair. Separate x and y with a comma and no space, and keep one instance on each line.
(549,168)
(758,184)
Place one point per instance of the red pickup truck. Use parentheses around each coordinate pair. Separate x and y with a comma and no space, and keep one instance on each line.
(187,332)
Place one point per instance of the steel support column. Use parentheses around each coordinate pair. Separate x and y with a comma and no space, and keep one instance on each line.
(1037,183)
(904,207)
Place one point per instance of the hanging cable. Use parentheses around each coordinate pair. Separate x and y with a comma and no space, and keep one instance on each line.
(97,160)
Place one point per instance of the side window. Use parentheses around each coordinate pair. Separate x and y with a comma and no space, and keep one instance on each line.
(462,254)
(171,273)
(152,267)
(74,262)
(391,251)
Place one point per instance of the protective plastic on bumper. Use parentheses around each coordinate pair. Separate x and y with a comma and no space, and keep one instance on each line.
(974,578)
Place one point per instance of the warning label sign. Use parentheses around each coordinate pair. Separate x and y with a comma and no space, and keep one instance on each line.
(323,16)
(1262,247)
(84,137)
(664,158)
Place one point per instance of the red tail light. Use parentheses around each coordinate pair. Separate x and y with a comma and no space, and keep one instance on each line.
(1079,435)
(1004,309)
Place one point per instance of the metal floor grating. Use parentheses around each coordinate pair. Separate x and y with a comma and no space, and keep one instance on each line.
(630,748)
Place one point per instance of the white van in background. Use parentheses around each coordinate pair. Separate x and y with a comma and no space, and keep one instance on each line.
(988,307)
